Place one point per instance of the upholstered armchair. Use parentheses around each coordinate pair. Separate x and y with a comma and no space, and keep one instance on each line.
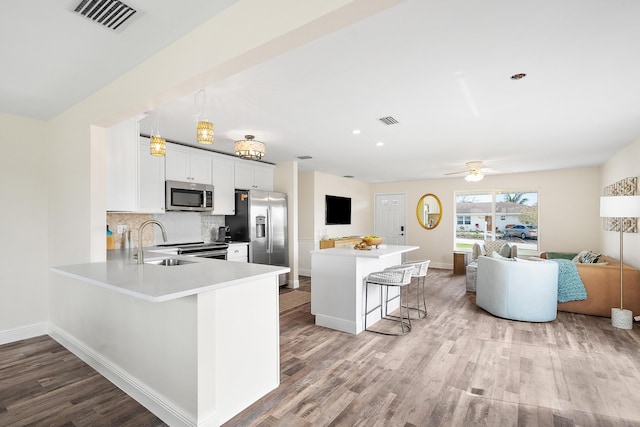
(518,289)
(505,249)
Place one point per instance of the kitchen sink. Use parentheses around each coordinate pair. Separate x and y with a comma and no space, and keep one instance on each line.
(168,261)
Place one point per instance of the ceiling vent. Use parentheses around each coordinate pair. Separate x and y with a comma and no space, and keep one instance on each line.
(108,13)
(305,157)
(388,121)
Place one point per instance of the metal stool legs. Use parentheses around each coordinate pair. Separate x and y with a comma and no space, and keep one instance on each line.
(420,274)
(398,277)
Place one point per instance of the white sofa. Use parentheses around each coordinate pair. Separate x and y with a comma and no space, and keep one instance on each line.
(518,289)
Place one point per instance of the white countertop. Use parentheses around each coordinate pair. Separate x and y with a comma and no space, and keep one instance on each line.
(158,283)
(380,252)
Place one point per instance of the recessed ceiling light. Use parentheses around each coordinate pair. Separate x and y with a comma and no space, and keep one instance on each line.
(518,76)
(379,143)
(355,131)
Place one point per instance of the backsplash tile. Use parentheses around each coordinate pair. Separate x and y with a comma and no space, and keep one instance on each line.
(209,227)
(180,226)
(133,222)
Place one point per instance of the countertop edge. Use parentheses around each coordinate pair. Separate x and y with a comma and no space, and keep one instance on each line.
(170,295)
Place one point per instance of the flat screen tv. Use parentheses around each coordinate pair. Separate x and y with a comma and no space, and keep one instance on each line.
(337,210)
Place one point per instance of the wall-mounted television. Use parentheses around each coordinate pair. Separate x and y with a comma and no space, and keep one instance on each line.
(337,210)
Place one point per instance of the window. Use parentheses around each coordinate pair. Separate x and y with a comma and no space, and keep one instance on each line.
(497,214)
(464,220)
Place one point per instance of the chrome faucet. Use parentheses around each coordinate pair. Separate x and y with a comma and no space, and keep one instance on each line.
(142,226)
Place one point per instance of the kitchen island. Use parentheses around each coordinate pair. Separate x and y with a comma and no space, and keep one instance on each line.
(338,286)
(195,343)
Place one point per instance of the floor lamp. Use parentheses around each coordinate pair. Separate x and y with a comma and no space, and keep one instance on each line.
(620,207)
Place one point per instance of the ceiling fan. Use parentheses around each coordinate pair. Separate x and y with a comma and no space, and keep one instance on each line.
(474,171)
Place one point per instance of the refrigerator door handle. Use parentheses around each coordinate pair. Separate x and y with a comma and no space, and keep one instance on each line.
(270,232)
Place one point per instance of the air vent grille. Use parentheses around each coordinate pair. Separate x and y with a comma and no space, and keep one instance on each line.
(108,13)
(388,120)
(305,157)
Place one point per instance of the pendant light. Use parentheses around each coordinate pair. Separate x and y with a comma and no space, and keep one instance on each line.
(249,148)
(204,128)
(158,144)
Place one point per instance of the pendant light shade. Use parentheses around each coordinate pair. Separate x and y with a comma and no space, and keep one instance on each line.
(249,148)
(204,131)
(204,128)
(158,146)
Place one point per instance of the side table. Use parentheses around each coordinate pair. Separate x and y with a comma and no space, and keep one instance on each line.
(459,263)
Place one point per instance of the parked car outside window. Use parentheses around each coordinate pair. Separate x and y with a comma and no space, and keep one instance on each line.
(522,231)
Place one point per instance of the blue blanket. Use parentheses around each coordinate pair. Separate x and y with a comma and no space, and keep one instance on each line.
(570,286)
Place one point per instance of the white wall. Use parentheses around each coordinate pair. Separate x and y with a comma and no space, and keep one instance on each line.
(361,206)
(306,206)
(568,215)
(285,180)
(313,186)
(24,227)
(623,165)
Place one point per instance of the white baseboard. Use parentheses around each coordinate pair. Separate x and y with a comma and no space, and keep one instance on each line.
(295,284)
(441,265)
(145,395)
(335,323)
(24,332)
(305,273)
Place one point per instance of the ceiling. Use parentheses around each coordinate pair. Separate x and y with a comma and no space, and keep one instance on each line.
(441,68)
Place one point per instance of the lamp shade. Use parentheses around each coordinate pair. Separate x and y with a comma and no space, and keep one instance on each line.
(157,145)
(474,176)
(204,132)
(249,148)
(620,206)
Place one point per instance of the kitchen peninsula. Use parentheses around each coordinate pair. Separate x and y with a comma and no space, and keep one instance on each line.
(337,284)
(195,343)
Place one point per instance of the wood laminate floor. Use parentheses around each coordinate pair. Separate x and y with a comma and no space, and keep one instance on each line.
(458,367)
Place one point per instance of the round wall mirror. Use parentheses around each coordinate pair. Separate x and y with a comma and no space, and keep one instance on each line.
(429,211)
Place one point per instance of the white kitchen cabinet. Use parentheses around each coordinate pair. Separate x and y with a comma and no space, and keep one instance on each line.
(238,252)
(188,164)
(223,189)
(253,176)
(135,178)
(151,190)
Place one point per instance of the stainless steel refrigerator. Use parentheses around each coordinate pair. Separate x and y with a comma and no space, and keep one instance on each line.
(261,220)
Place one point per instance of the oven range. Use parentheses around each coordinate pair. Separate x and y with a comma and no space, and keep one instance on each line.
(217,250)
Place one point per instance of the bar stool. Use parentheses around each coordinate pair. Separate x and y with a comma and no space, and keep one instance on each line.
(420,274)
(400,277)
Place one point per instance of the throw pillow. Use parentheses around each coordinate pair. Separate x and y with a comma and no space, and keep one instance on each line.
(505,250)
(586,257)
(492,246)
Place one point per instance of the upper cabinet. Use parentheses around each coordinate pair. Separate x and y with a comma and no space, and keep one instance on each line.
(251,175)
(188,164)
(151,191)
(223,189)
(135,178)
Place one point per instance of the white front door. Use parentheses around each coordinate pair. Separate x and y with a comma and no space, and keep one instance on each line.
(390,217)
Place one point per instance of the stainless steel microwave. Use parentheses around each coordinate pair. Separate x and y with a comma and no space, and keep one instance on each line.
(188,196)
